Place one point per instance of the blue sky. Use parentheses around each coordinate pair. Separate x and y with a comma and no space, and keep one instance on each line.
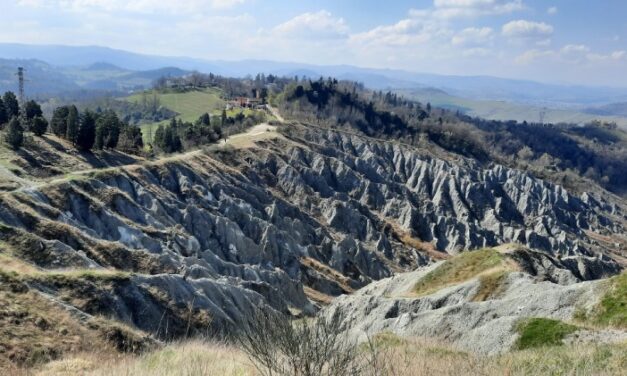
(571,41)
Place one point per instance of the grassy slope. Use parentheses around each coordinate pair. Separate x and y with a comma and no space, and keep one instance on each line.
(612,308)
(488,264)
(189,105)
(501,110)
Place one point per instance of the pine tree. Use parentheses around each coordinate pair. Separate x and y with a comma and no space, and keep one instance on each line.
(39,125)
(159,139)
(32,109)
(72,125)
(15,134)
(107,130)
(204,119)
(11,104)
(58,123)
(4,117)
(86,135)
(223,118)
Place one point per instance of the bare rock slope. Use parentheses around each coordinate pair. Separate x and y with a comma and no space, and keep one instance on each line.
(288,223)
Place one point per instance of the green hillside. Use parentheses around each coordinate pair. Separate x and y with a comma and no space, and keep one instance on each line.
(190,105)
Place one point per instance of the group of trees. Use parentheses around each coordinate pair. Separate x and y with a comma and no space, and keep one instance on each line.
(28,118)
(87,130)
(179,135)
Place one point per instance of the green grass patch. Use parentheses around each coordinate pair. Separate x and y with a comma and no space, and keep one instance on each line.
(189,104)
(459,269)
(540,332)
(612,310)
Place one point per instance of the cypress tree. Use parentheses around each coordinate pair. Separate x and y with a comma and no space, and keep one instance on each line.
(15,134)
(107,130)
(159,139)
(39,125)
(72,125)
(11,104)
(223,118)
(4,117)
(58,123)
(86,131)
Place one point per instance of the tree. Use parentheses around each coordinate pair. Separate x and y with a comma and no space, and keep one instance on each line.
(159,139)
(107,130)
(32,109)
(11,104)
(72,125)
(86,131)
(4,117)
(223,118)
(130,139)
(204,119)
(58,123)
(39,125)
(15,134)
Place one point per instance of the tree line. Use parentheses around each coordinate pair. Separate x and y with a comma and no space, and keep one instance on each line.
(86,130)
(18,119)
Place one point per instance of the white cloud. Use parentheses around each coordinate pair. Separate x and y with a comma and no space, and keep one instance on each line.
(523,29)
(403,33)
(551,10)
(450,9)
(320,24)
(472,36)
(613,56)
(575,49)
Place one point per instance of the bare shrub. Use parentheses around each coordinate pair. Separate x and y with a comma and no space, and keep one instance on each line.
(319,347)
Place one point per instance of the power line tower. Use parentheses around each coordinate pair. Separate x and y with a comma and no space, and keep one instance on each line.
(20,77)
(542,115)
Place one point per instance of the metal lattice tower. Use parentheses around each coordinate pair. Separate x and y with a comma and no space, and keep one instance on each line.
(20,77)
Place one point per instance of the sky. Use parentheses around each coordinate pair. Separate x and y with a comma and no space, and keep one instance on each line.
(558,41)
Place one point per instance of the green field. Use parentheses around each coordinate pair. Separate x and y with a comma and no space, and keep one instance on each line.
(189,105)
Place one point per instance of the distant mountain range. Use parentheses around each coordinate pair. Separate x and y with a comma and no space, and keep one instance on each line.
(44,79)
(54,68)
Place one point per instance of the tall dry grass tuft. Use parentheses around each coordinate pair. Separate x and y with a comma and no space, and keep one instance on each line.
(190,358)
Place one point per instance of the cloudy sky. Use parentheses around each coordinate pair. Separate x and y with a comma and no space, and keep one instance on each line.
(574,41)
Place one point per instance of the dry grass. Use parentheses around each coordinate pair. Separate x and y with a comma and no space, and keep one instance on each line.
(33,330)
(464,267)
(394,356)
(328,272)
(490,285)
(317,296)
(184,359)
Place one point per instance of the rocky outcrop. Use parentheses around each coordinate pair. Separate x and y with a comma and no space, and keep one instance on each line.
(454,314)
(228,230)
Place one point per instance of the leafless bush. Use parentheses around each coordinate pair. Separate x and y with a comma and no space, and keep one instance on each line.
(278,346)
